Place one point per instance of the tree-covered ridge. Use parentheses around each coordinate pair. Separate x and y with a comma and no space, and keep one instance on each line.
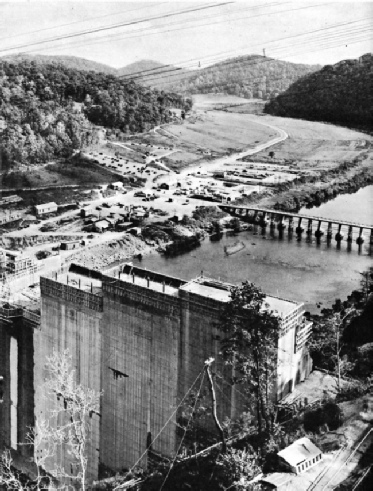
(244,76)
(46,111)
(340,93)
(72,62)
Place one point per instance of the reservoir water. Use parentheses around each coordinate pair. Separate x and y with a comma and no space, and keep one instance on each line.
(302,270)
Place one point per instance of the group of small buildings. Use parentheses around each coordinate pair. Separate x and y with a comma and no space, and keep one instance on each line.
(7,200)
(14,264)
(101,219)
(142,338)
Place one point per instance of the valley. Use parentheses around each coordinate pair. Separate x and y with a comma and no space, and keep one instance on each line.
(186,285)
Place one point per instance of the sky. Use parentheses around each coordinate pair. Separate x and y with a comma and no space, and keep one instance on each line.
(188,34)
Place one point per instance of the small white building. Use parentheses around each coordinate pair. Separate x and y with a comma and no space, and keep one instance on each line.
(46,208)
(101,225)
(301,455)
(86,212)
(116,185)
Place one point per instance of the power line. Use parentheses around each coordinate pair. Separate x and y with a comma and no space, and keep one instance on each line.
(186,63)
(116,26)
(257,61)
(141,30)
(185,431)
(117,37)
(166,423)
(79,21)
(233,61)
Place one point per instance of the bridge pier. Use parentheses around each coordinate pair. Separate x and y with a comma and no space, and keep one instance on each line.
(329,233)
(291,224)
(281,224)
(264,220)
(349,233)
(299,228)
(272,222)
(339,235)
(319,232)
(360,239)
(282,220)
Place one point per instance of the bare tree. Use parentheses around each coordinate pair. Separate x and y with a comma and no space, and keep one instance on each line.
(68,431)
(43,440)
(74,407)
(327,342)
(9,477)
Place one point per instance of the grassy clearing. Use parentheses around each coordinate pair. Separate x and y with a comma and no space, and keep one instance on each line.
(253,107)
(220,132)
(211,101)
(314,146)
(179,160)
(59,174)
(59,196)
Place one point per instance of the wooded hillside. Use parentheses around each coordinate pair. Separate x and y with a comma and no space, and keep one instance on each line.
(46,111)
(245,76)
(340,93)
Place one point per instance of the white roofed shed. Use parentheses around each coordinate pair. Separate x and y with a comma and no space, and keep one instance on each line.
(301,455)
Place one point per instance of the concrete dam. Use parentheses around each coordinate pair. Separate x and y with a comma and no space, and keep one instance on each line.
(141,338)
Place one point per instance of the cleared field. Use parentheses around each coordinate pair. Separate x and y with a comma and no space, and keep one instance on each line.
(179,160)
(315,145)
(252,107)
(209,101)
(221,133)
(60,174)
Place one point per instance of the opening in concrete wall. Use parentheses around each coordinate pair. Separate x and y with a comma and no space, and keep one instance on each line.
(13,392)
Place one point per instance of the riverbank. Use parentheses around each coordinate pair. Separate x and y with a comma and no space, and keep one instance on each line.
(313,191)
(166,238)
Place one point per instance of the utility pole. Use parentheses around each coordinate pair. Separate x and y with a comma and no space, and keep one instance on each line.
(339,324)
(264,52)
(213,397)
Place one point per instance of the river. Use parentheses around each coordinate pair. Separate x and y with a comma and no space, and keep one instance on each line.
(306,271)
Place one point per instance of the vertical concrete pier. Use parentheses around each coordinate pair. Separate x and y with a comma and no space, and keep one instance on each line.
(264,220)
(281,224)
(309,227)
(272,222)
(291,224)
(339,235)
(319,232)
(360,239)
(349,233)
(329,233)
(299,228)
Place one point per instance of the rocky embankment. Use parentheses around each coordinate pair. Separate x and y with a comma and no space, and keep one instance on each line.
(165,237)
(102,256)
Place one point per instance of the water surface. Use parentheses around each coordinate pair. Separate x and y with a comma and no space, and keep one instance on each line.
(304,270)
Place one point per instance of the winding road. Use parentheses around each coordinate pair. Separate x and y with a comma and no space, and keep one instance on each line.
(239,155)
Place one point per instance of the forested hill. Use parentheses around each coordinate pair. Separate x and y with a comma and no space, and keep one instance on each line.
(245,76)
(340,93)
(154,74)
(137,67)
(47,110)
(73,62)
